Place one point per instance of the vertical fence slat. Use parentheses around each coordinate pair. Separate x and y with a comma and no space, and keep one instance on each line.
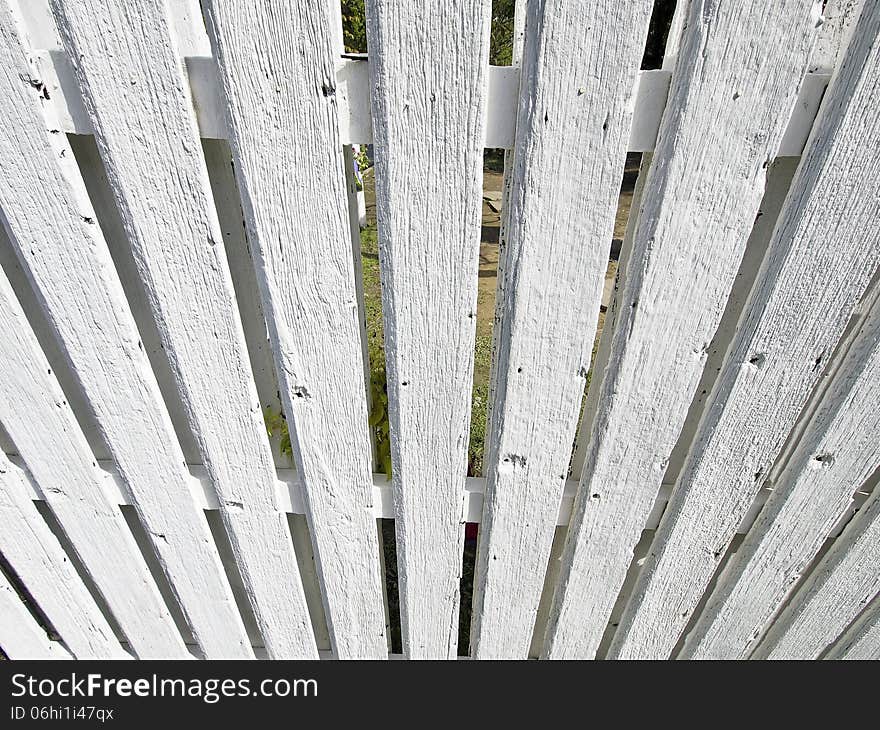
(734,85)
(136,93)
(839,589)
(576,101)
(828,235)
(39,421)
(837,453)
(81,292)
(21,637)
(277,65)
(40,562)
(428,75)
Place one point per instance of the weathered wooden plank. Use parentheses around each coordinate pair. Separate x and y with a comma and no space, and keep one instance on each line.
(135,90)
(838,451)
(734,84)
(277,67)
(828,235)
(86,306)
(21,637)
(36,415)
(839,589)
(40,562)
(428,75)
(576,101)
(861,642)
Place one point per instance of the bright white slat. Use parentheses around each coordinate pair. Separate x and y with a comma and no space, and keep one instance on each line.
(296,207)
(428,77)
(21,637)
(136,93)
(85,304)
(839,589)
(861,642)
(569,157)
(735,82)
(824,251)
(838,451)
(40,562)
(39,421)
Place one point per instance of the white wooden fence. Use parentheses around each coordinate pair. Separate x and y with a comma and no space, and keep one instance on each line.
(719,503)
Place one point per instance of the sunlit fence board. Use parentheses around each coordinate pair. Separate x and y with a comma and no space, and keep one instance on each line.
(21,637)
(842,586)
(277,68)
(64,253)
(735,83)
(862,640)
(824,251)
(428,136)
(35,413)
(575,111)
(837,453)
(135,90)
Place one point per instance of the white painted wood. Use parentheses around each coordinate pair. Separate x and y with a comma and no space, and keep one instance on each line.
(735,81)
(575,107)
(296,207)
(838,451)
(428,128)
(36,415)
(828,235)
(861,642)
(85,304)
(839,21)
(839,589)
(21,637)
(41,564)
(135,90)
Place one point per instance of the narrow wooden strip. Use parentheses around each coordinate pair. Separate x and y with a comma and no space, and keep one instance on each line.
(36,415)
(40,562)
(861,642)
(135,90)
(576,104)
(735,81)
(828,235)
(86,306)
(21,637)
(839,589)
(278,74)
(429,117)
(838,451)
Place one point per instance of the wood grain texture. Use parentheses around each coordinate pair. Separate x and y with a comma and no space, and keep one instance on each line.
(734,85)
(277,67)
(824,251)
(838,451)
(135,90)
(576,100)
(84,301)
(21,637)
(861,642)
(842,586)
(35,413)
(41,564)
(428,75)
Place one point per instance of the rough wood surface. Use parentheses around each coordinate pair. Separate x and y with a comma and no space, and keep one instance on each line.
(81,293)
(135,89)
(824,251)
(21,637)
(839,589)
(41,564)
(861,641)
(577,96)
(278,72)
(35,413)
(428,75)
(838,451)
(734,85)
